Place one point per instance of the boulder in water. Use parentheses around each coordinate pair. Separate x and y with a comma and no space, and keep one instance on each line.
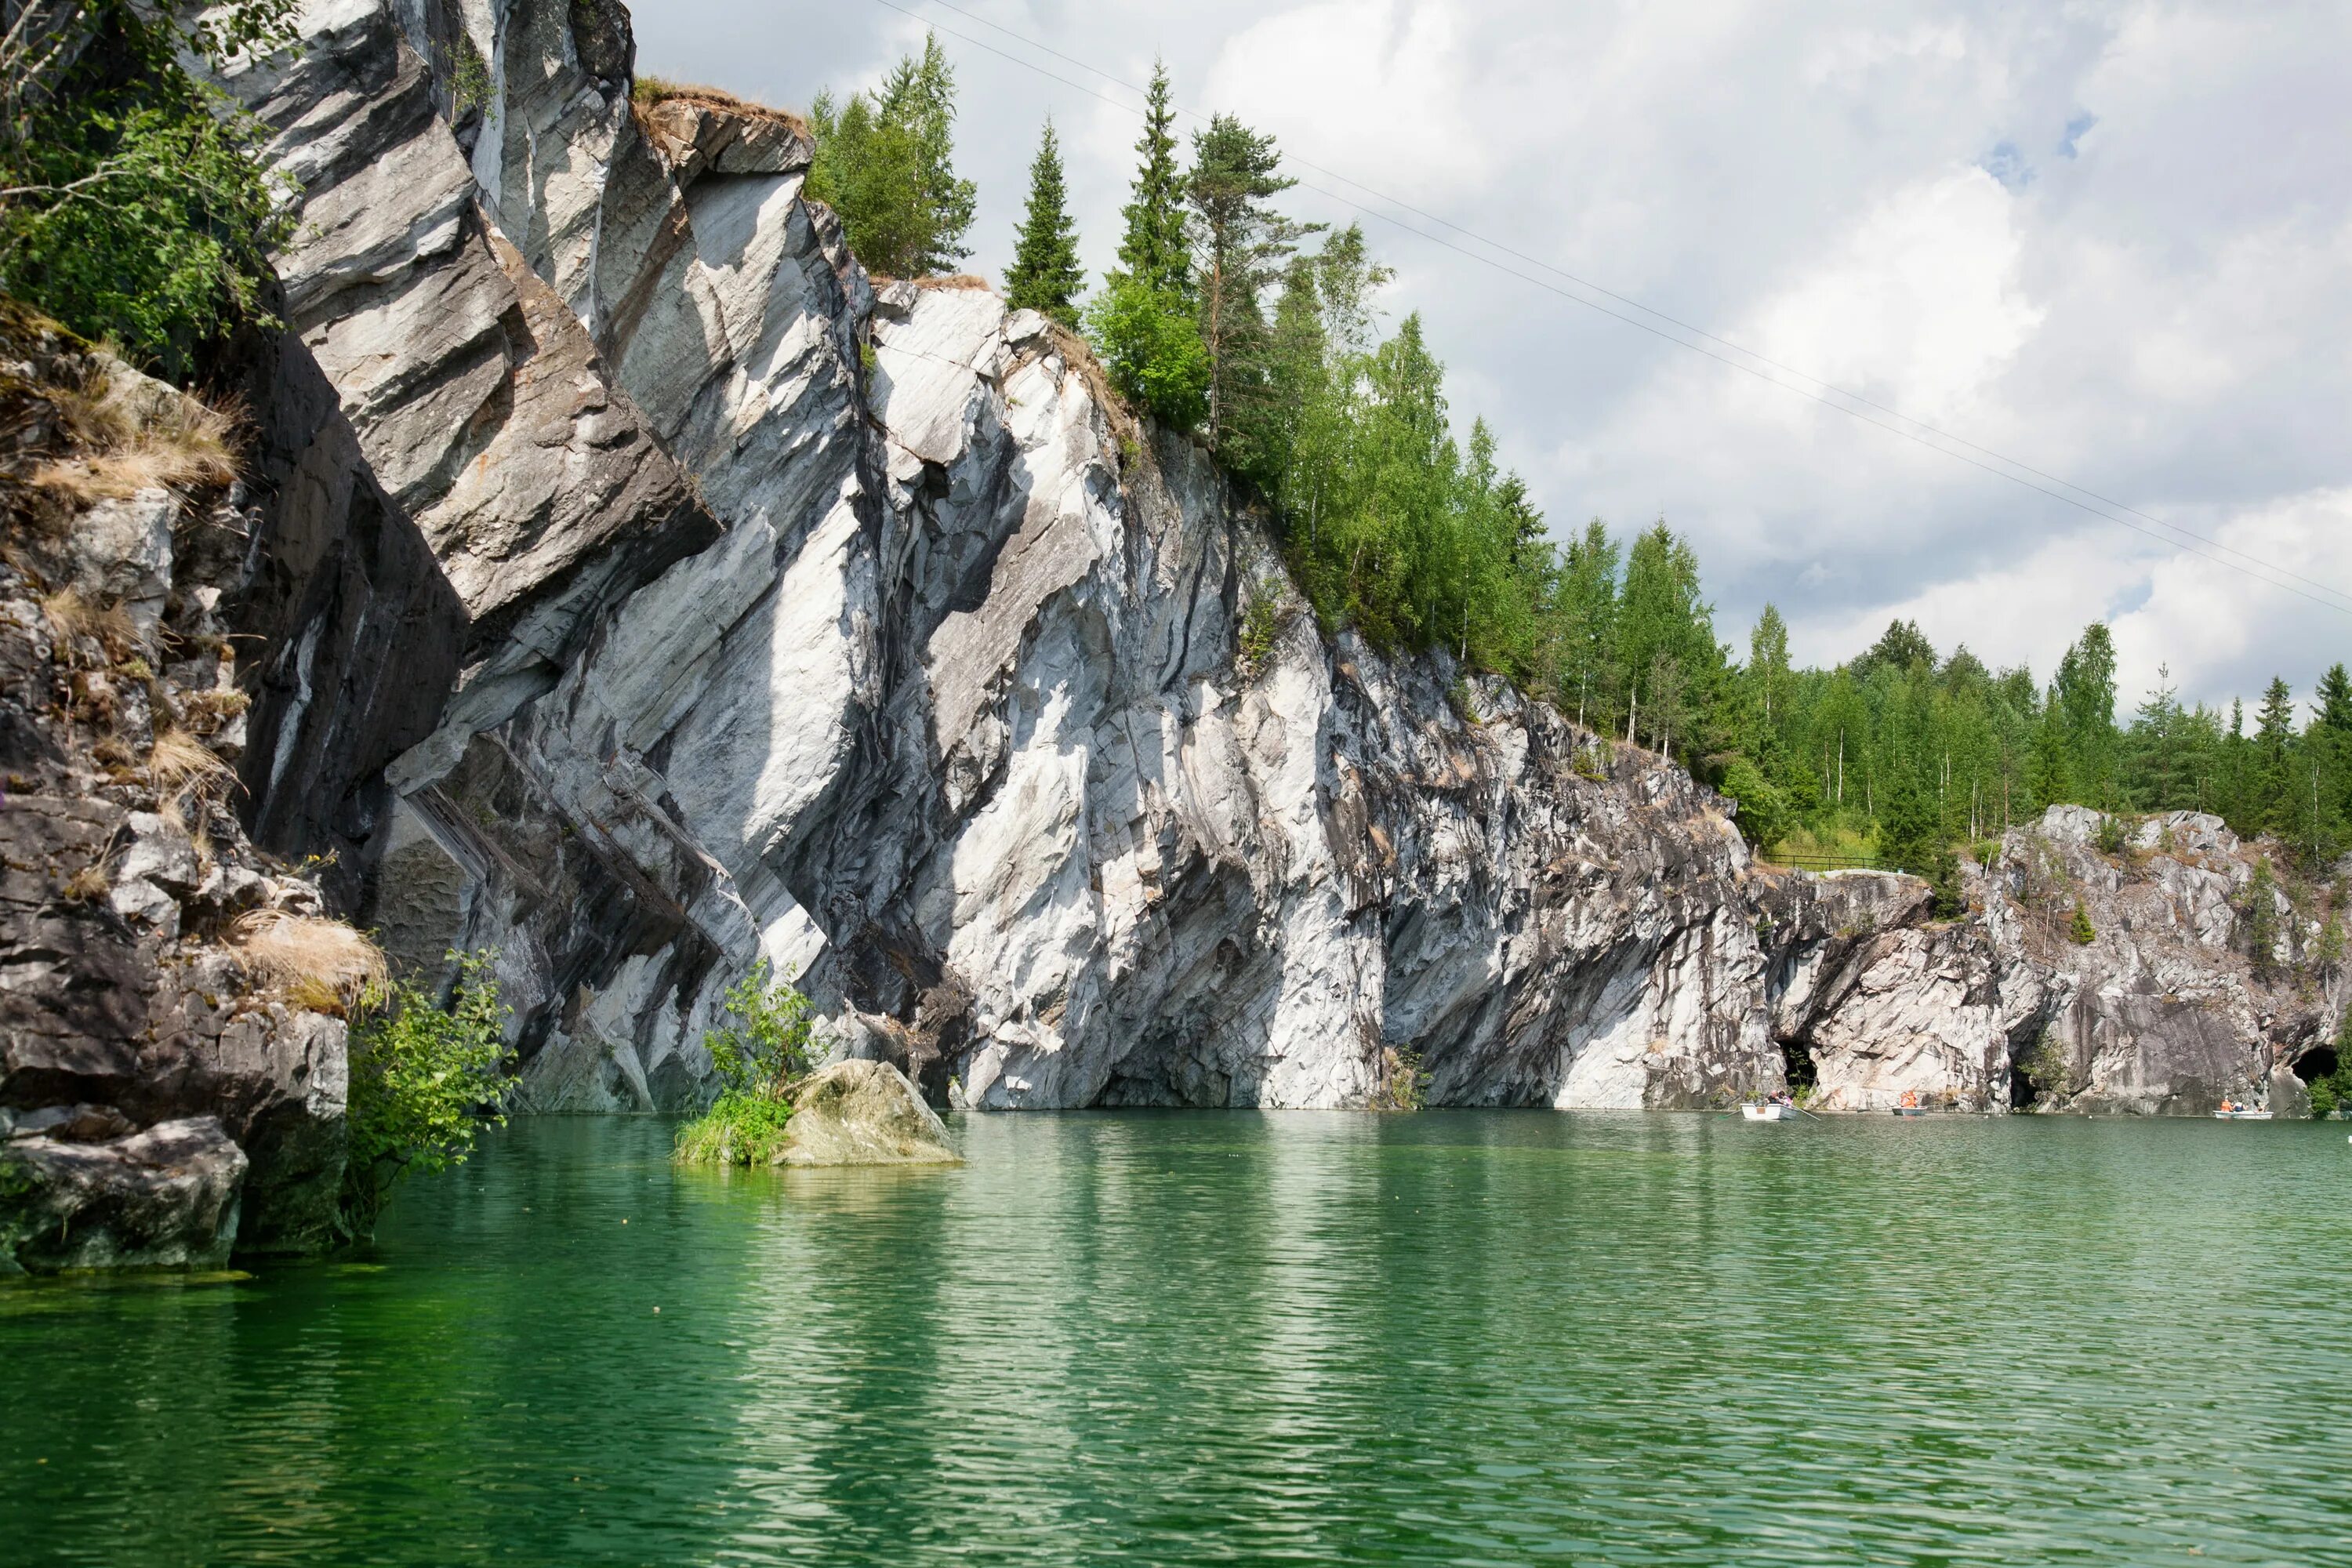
(73,1196)
(864,1113)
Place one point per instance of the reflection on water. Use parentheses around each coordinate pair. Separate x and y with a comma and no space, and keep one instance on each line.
(1449,1338)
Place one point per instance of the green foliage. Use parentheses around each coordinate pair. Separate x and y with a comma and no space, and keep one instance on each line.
(1153,252)
(2045,1067)
(2332,1092)
(2080,930)
(738,1130)
(766,1043)
(425,1080)
(2114,836)
(1397,526)
(133,205)
(1764,819)
(1241,246)
(1403,1085)
(768,1040)
(885,161)
(1045,275)
(1262,623)
(469,78)
(1152,350)
(2262,917)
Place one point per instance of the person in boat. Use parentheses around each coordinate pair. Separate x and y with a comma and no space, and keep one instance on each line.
(1910,1100)
(2228,1105)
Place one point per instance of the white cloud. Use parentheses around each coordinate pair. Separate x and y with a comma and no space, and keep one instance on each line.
(1918,305)
(1383,74)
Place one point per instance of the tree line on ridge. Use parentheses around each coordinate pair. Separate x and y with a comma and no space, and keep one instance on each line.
(1259,333)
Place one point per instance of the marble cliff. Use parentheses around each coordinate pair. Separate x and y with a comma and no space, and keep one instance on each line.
(635,586)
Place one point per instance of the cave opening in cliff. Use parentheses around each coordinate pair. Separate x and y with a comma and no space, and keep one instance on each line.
(2022,1092)
(2316,1063)
(1796,1061)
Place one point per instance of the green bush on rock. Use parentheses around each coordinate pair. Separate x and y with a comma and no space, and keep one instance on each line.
(768,1043)
(133,203)
(425,1080)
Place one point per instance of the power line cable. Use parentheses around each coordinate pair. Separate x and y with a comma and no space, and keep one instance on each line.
(1352,203)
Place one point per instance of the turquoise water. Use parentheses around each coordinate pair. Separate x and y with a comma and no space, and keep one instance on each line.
(1455,1338)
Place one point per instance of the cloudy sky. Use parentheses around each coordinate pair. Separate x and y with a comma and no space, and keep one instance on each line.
(2113,242)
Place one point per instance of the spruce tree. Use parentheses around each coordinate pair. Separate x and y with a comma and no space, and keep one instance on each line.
(2262,918)
(2273,806)
(2086,697)
(2334,699)
(1044,275)
(1143,322)
(1153,253)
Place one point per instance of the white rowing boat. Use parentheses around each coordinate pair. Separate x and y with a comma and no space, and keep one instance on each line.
(1769,1112)
(2242,1116)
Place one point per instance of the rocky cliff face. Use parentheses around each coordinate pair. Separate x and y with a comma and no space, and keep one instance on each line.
(652,594)
(863,632)
(147,1061)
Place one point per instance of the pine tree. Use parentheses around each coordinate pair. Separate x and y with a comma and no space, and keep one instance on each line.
(1243,245)
(1045,275)
(1154,253)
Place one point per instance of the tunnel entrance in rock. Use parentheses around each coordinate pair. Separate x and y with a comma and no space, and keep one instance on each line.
(1796,1061)
(2022,1092)
(2316,1063)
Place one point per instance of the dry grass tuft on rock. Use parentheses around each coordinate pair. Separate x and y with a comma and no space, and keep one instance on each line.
(72,617)
(87,886)
(184,446)
(181,765)
(321,966)
(649,90)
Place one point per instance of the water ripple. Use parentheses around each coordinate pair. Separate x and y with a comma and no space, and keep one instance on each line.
(1455,1338)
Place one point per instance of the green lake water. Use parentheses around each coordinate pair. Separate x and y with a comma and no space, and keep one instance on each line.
(1450,1338)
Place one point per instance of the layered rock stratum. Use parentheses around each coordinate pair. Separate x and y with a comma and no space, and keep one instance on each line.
(635,586)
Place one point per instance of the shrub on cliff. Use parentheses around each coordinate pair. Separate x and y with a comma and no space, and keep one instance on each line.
(1153,351)
(425,1080)
(885,161)
(132,204)
(1763,812)
(768,1043)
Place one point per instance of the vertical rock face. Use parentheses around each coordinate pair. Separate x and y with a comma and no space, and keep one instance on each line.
(774,618)
(647,594)
(2166,1009)
(157,1104)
